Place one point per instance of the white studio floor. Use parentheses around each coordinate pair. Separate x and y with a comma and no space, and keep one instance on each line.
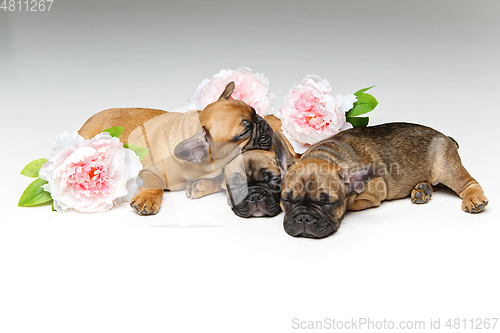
(196,267)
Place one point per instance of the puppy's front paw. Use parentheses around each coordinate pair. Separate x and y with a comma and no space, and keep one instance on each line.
(421,193)
(195,190)
(201,187)
(147,202)
(474,202)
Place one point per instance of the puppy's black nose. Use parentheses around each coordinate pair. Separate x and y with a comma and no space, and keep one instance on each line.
(255,197)
(304,218)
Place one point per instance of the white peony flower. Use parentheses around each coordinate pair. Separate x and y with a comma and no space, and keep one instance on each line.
(251,88)
(90,175)
(312,113)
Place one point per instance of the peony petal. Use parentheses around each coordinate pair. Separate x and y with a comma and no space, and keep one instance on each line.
(252,88)
(133,186)
(66,139)
(57,207)
(76,155)
(133,163)
(298,147)
(345,102)
(346,126)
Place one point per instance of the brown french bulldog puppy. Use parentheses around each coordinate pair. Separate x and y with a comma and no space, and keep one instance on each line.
(358,168)
(252,181)
(183,146)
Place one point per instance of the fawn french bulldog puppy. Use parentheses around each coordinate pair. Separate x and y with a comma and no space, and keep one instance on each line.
(253,186)
(183,146)
(360,167)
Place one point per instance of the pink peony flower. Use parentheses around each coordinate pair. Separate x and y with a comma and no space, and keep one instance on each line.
(312,113)
(90,175)
(251,88)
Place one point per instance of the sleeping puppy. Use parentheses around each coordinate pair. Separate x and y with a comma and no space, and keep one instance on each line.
(252,181)
(360,167)
(183,146)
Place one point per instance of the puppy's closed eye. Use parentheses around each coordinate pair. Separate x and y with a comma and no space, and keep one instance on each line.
(247,124)
(288,198)
(266,176)
(325,199)
(248,128)
(236,182)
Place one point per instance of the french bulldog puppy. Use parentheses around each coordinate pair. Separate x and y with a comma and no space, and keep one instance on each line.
(252,181)
(183,146)
(360,167)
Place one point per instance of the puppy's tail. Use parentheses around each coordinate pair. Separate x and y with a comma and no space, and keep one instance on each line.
(454,142)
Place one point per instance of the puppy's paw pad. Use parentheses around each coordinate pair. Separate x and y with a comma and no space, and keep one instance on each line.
(421,193)
(474,204)
(145,204)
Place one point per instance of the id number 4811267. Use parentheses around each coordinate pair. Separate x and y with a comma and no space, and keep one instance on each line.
(26,5)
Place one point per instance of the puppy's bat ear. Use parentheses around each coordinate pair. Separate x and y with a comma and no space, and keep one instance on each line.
(228,91)
(355,180)
(195,149)
(284,157)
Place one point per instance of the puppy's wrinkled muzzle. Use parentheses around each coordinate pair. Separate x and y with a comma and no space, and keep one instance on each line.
(261,135)
(309,224)
(258,203)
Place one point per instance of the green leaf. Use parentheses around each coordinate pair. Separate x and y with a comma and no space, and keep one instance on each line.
(32,169)
(365,104)
(360,91)
(358,121)
(35,194)
(114,131)
(138,150)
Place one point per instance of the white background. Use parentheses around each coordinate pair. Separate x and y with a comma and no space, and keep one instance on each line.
(196,267)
